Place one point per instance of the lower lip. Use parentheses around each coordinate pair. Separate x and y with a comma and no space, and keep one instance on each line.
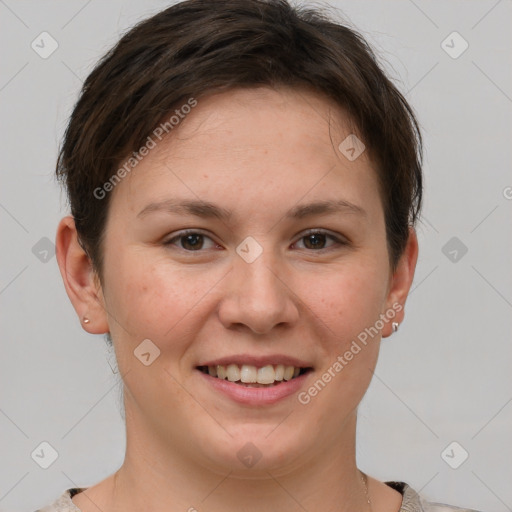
(256,396)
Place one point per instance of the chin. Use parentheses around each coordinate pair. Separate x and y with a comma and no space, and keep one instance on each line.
(254,450)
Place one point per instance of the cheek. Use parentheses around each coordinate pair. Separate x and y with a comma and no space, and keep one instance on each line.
(148,302)
(346,303)
(348,300)
(156,300)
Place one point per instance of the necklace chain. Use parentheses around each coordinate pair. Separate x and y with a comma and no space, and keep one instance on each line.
(364,478)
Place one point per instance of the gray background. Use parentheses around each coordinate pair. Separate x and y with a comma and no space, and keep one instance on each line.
(444,377)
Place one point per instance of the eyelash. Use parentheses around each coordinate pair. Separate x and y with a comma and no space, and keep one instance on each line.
(309,232)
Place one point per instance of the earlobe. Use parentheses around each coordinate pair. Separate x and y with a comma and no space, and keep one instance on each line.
(80,279)
(401,283)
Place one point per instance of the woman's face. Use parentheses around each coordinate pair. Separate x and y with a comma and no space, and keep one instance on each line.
(248,284)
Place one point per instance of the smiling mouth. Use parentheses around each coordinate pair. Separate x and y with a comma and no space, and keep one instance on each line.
(254,377)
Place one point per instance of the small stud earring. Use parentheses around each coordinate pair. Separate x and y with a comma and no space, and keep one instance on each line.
(395,325)
(85,320)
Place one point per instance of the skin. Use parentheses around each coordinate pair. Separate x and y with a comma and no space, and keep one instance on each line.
(258,152)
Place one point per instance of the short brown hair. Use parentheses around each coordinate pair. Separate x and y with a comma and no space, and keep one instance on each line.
(198,46)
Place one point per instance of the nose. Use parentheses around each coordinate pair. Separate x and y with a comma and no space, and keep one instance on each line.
(257,296)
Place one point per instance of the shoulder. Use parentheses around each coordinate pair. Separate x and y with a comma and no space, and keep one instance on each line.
(411,502)
(414,502)
(63,503)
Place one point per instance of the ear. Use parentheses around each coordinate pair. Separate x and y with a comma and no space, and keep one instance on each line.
(80,280)
(401,282)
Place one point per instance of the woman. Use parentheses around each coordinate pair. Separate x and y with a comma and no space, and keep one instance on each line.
(244,183)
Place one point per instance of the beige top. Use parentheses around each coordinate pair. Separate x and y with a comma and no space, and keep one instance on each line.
(411,501)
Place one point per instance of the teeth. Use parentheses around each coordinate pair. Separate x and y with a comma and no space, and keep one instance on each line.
(266,375)
(249,374)
(288,372)
(233,372)
(220,370)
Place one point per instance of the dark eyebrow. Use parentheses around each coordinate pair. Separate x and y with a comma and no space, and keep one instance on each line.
(206,209)
(320,207)
(203,209)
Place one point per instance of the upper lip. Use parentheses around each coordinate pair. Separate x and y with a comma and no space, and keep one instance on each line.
(258,361)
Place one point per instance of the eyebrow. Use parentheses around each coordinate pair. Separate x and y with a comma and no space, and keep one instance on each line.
(206,210)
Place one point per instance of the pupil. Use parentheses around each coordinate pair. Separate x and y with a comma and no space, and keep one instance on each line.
(195,238)
(312,237)
(315,240)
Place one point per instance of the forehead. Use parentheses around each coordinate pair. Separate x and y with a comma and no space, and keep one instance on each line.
(250,116)
(262,144)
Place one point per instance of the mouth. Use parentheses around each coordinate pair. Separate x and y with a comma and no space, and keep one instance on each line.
(251,376)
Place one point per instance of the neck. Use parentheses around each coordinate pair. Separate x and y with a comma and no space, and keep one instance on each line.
(162,478)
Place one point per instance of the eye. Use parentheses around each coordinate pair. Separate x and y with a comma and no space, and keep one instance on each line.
(194,241)
(189,240)
(315,239)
